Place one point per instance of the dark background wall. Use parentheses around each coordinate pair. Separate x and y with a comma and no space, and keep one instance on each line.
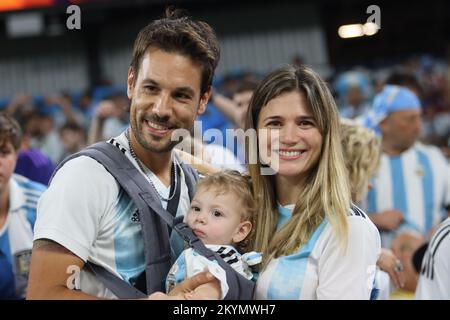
(255,35)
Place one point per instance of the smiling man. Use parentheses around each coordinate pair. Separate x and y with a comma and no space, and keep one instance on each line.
(86,216)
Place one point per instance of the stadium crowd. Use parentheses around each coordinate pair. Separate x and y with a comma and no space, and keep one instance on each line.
(402,110)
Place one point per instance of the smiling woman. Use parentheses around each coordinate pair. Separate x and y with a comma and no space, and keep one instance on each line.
(316,244)
(294,124)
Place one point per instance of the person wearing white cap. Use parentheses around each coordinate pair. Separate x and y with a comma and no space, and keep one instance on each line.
(411,191)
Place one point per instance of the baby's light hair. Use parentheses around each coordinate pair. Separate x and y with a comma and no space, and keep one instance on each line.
(231,181)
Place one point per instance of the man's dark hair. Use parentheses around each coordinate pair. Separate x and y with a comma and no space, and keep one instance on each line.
(10,131)
(404,79)
(180,34)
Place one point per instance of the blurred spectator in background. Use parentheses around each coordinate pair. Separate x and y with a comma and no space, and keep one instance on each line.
(213,118)
(21,104)
(215,155)
(355,103)
(412,186)
(405,79)
(408,80)
(40,126)
(241,98)
(235,109)
(73,138)
(18,201)
(118,120)
(65,110)
(362,152)
(86,105)
(353,89)
(111,118)
(430,85)
(223,111)
(32,163)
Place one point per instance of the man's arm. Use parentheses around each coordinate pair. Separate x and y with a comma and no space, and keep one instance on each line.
(387,220)
(51,269)
(198,164)
(228,107)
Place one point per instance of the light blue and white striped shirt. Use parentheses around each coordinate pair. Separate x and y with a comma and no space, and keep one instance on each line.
(319,269)
(86,211)
(417,183)
(16,236)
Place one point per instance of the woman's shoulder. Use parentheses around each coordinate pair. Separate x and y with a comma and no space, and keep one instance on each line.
(358,214)
(355,211)
(362,235)
(359,221)
(359,225)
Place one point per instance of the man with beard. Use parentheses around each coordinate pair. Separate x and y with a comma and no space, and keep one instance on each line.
(86,216)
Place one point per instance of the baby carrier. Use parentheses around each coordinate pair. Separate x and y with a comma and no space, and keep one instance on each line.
(154,220)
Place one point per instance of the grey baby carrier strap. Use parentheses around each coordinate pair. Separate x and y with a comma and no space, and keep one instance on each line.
(154,220)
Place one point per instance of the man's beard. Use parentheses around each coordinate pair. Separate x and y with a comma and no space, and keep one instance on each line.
(149,146)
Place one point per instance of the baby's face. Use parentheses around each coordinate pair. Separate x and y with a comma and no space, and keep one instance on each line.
(215,219)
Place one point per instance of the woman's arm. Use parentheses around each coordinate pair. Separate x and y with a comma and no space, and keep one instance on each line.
(350,273)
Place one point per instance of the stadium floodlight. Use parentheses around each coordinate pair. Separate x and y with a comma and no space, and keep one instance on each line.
(370,28)
(351,31)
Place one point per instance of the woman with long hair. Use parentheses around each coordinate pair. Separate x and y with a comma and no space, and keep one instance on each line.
(316,244)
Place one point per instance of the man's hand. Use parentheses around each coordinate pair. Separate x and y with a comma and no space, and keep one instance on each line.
(206,291)
(388,219)
(162,296)
(202,286)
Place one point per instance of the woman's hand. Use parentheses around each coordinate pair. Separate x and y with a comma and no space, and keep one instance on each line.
(389,263)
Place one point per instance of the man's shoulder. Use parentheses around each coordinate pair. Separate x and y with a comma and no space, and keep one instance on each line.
(432,153)
(83,168)
(81,163)
(427,148)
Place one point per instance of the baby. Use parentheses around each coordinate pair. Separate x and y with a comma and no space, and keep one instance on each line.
(219,216)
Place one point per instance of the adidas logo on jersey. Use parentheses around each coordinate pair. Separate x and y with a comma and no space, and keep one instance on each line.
(135,217)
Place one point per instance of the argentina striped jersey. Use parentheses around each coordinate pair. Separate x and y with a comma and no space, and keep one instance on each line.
(16,236)
(320,269)
(434,280)
(417,183)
